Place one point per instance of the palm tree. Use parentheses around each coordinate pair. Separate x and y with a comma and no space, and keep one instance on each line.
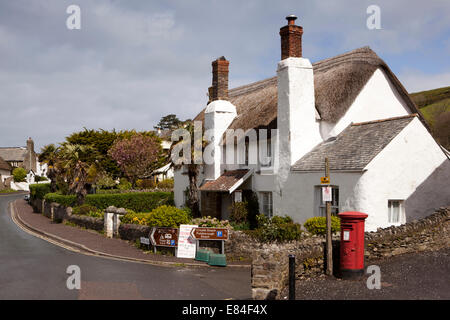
(49,155)
(78,173)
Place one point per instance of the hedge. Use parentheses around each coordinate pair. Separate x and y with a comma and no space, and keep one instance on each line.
(38,191)
(136,201)
(163,216)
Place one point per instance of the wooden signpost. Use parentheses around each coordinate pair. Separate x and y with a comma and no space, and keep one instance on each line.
(164,237)
(204,233)
(328,220)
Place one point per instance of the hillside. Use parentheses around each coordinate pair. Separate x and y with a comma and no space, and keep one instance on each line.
(435,107)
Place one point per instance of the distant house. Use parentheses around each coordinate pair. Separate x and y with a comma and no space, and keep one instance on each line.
(24,157)
(5,170)
(351,109)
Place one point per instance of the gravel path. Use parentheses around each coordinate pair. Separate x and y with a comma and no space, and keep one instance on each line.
(424,275)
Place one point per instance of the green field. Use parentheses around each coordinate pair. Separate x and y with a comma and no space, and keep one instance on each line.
(435,107)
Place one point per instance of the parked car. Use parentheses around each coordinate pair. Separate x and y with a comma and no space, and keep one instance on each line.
(27,197)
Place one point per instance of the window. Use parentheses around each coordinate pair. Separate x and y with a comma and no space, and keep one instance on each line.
(267,203)
(322,206)
(396,212)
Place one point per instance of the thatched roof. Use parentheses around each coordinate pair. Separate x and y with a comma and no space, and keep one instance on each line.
(354,147)
(337,82)
(4,165)
(13,153)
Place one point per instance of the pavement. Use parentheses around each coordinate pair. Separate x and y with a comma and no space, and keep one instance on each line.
(411,276)
(34,265)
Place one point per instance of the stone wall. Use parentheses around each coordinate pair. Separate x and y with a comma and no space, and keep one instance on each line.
(132,232)
(86,222)
(270,261)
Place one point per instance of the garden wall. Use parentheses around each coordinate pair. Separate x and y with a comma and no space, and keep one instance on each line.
(270,261)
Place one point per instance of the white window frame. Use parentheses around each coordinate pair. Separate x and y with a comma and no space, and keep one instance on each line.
(266,208)
(401,215)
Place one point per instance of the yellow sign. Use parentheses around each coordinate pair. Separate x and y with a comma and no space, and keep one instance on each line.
(325,180)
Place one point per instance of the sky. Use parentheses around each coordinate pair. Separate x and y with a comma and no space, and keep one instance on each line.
(134,61)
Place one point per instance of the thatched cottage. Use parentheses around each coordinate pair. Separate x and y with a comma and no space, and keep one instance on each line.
(350,109)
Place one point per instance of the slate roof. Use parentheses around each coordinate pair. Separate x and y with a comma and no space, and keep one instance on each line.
(337,82)
(226,181)
(354,147)
(13,153)
(4,165)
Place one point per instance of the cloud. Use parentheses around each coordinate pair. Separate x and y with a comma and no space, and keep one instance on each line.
(416,80)
(133,62)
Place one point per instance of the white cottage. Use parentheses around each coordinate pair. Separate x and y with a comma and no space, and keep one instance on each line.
(351,109)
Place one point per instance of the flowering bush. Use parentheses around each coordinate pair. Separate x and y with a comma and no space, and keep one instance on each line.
(277,229)
(318,225)
(211,222)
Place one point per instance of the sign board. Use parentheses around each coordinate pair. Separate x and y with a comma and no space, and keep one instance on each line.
(210,233)
(164,237)
(325,180)
(186,244)
(346,235)
(145,240)
(326,194)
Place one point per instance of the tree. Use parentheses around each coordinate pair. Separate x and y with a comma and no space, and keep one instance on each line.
(192,168)
(169,122)
(137,155)
(19,174)
(78,173)
(49,155)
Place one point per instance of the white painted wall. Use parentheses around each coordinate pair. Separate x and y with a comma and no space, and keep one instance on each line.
(218,116)
(407,164)
(377,100)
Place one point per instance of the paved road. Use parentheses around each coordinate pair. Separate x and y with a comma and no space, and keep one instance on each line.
(423,275)
(32,268)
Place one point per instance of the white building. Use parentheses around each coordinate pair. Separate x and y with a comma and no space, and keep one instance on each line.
(351,109)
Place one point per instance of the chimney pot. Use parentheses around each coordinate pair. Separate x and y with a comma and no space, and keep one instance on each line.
(219,89)
(291,39)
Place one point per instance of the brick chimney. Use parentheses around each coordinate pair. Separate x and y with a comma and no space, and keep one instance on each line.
(291,39)
(219,89)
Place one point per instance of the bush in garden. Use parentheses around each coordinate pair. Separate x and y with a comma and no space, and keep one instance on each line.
(38,191)
(277,229)
(40,178)
(318,225)
(84,209)
(166,184)
(136,201)
(211,222)
(163,216)
(239,212)
(124,184)
(19,174)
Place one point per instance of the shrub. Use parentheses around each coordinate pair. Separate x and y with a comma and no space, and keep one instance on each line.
(163,216)
(124,184)
(145,184)
(84,209)
(277,229)
(38,191)
(211,222)
(40,178)
(19,174)
(166,184)
(136,201)
(8,190)
(239,212)
(318,225)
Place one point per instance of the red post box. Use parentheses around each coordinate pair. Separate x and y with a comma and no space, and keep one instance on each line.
(352,244)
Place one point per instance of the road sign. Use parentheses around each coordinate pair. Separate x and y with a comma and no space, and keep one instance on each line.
(326,194)
(145,240)
(164,237)
(204,233)
(325,180)
(186,245)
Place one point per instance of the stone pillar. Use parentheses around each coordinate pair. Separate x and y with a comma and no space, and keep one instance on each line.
(112,221)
